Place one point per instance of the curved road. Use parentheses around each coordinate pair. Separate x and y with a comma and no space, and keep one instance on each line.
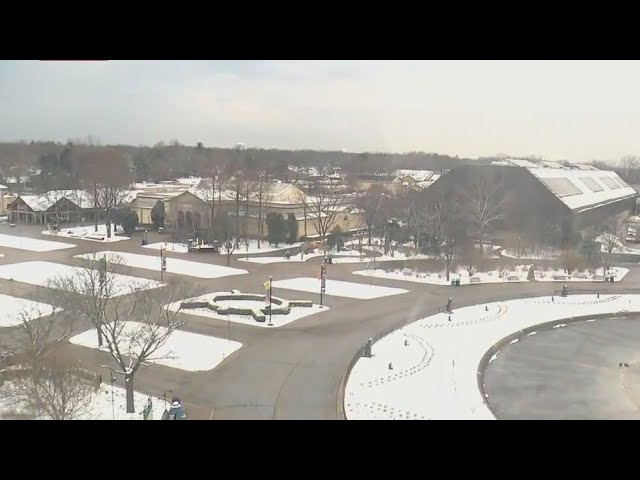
(291,372)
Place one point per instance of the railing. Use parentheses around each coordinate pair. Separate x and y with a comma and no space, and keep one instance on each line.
(360,353)
(399,325)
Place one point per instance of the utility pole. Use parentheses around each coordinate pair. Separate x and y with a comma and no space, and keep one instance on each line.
(113,408)
(163,264)
(270,293)
(323,271)
(304,206)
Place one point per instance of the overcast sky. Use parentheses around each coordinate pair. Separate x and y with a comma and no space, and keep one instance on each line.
(575,110)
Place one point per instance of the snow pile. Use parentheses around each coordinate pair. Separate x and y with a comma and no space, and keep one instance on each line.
(296,313)
(103,405)
(14,309)
(89,233)
(519,274)
(40,273)
(168,246)
(174,265)
(31,244)
(338,288)
(183,350)
(435,375)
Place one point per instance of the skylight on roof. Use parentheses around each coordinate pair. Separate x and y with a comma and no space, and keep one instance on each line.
(592,184)
(610,182)
(562,187)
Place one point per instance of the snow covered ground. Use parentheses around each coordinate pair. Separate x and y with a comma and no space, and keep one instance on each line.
(518,275)
(621,249)
(489,250)
(353,256)
(174,265)
(31,244)
(294,258)
(338,288)
(544,254)
(40,273)
(264,247)
(560,275)
(101,406)
(89,233)
(434,376)
(168,246)
(278,320)
(183,350)
(14,309)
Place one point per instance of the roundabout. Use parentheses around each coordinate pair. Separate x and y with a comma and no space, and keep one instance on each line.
(434,368)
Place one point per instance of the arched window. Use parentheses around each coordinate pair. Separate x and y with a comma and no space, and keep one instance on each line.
(180,219)
(196,221)
(189,221)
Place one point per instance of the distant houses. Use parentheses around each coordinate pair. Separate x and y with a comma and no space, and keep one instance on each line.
(188,206)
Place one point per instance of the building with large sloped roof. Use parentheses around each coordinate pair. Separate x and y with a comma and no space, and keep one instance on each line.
(546,199)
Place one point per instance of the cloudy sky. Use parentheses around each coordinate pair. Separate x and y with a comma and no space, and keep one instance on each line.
(575,110)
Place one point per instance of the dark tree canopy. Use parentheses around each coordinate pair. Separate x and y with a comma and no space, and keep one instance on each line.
(158,214)
(276,228)
(292,227)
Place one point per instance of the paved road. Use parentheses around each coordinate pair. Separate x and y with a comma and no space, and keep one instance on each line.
(569,373)
(292,372)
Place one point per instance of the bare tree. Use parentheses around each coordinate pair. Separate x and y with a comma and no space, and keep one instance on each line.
(630,168)
(447,229)
(323,204)
(58,392)
(262,177)
(206,191)
(485,203)
(137,328)
(415,215)
(105,173)
(43,386)
(611,239)
(371,203)
(134,327)
(229,246)
(92,291)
